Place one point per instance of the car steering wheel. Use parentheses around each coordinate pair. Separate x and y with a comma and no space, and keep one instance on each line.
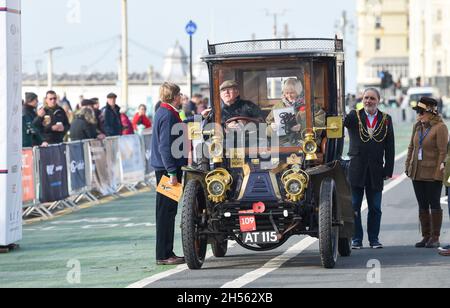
(235,119)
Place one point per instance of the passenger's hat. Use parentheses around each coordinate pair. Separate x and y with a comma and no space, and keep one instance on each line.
(427,104)
(87,102)
(111,95)
(228,84)
(29,97)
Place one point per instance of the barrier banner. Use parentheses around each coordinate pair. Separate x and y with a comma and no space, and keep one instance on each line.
(53,174)
(113,159)
(101,176)
(28,184)
(10,123)
(148,152)
(132,161)
(77,166)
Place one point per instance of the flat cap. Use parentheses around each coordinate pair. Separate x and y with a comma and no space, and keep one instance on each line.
(111,95)
(228,84)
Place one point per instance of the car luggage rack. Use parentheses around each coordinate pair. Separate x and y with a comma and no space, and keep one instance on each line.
(245,47)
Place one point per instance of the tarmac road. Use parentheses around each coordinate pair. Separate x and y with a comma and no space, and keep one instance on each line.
(297,263)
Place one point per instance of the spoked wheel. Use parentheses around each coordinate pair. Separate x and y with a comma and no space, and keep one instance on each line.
(219,248)
(328,234)
(194,244)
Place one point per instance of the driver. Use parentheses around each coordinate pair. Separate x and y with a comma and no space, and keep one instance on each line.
(233,106)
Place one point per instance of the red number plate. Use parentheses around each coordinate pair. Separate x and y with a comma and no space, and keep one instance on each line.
(248,223)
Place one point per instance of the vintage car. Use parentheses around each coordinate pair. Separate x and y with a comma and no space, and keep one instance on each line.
(257,188)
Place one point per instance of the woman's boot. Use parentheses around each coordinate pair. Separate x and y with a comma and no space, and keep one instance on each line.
(425,223)
(436,221)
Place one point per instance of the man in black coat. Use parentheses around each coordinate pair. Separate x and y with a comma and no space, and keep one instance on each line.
(372,157)
(112,125)
(52,121)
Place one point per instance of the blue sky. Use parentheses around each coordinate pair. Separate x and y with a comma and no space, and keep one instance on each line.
(88,30)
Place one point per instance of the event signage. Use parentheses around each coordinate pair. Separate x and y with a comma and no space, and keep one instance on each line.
(101,175)
(28,183)
(133,168)
(53,174)
(77,168)
(148,153)
(10,123)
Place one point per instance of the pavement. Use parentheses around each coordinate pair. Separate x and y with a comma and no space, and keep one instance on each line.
(112,245)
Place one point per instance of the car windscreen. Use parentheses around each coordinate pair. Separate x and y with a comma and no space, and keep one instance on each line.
(279,94)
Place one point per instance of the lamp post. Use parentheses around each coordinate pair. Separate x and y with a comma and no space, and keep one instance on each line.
(50,66)
(191,28)
(124,59)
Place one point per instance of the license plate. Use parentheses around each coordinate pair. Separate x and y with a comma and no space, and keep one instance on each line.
(260,238)
(247,223)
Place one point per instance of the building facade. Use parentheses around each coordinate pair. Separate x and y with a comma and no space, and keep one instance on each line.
(383,40)
(430,43)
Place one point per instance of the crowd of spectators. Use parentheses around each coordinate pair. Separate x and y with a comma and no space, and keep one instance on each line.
(55,121)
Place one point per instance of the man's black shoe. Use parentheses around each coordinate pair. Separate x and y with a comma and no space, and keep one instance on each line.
(171,261)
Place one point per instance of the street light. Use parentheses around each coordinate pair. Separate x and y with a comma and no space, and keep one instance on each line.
(124,60)
(191,28)
(50,66)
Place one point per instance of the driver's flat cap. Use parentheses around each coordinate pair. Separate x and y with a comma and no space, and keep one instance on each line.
(228,84)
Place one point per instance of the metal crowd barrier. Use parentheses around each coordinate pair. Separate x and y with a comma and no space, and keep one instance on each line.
(123,175)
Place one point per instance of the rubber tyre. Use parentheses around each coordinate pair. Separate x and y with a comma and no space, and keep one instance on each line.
(345,247)
(194,246)
(328,235)
(219,248)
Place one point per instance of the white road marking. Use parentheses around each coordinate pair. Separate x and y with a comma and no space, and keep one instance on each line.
(181,268)
(270,266)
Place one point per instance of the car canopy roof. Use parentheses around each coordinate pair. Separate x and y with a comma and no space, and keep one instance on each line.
(274,47)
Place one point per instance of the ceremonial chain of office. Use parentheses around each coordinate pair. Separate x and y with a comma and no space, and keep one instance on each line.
(366,136)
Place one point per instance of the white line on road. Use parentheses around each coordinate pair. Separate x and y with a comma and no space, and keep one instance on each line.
(272,265)
(181,268)
(301,246)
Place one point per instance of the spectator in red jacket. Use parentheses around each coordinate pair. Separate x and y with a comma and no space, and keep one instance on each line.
(141,118)
(127,127)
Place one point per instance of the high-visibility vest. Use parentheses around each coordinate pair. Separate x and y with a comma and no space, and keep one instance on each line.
(360,106)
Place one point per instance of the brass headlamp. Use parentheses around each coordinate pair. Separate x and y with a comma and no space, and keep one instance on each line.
(216,149)
(218,183)
(310,147)
(295,182)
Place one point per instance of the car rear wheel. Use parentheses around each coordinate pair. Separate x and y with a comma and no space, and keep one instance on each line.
(219,248)
(345,247)
(328,234)
(194,244)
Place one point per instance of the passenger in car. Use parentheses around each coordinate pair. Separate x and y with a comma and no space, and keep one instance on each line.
(292,96)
